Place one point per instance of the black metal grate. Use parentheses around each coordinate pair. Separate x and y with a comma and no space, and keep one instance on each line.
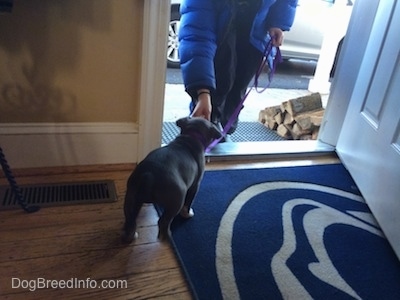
(60,194)
(245,132)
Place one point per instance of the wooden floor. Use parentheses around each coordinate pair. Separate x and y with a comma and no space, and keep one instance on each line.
(82,243)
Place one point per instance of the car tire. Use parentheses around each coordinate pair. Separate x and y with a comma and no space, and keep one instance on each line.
(173,42)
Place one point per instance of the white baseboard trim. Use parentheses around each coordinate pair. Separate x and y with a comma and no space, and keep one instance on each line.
(34,145)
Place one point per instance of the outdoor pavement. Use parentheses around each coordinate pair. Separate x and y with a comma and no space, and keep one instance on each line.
(176,103)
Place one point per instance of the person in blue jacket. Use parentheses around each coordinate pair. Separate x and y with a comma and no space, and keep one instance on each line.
(221,45)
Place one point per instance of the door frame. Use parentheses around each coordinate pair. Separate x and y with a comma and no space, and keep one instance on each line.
(346,72)
(155,23)
(156,14)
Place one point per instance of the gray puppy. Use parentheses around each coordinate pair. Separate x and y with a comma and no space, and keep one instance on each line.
(169,176)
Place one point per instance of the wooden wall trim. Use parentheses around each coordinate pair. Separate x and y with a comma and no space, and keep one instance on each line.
(64,170)
(50,145)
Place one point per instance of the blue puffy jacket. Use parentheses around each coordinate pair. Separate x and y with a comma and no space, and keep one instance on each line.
(204,23)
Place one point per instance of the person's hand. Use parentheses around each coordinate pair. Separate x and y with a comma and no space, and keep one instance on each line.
(276,35)
(203,106)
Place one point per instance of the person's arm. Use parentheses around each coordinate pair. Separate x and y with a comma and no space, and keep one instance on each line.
(203,106)
(197,47)
(281,14)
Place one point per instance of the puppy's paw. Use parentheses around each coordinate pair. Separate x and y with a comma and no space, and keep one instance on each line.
(128,238)
(187,213)
(164,236)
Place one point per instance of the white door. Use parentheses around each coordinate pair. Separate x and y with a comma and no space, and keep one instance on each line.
(369,142)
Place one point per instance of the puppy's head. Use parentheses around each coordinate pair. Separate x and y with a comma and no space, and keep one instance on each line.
(198,127)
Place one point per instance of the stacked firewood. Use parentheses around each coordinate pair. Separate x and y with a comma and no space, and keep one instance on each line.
(295,119)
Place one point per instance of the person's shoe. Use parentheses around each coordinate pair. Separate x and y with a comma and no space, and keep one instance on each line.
(227,137)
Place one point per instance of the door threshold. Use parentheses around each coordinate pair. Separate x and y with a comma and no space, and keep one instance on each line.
(268,149)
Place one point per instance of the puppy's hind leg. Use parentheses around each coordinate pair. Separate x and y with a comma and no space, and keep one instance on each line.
(132,208)
(164,223)
(187,211)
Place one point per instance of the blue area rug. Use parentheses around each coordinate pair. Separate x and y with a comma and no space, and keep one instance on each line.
(284,233)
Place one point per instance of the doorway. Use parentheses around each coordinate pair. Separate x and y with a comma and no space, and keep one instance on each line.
(290,81)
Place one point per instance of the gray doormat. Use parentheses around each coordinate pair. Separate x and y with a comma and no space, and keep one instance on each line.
(245,132)
(60,194)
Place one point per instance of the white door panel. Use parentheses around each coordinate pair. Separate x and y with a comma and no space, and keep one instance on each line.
(369,142)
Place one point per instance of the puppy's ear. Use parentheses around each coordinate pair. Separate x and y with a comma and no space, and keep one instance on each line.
(182,122)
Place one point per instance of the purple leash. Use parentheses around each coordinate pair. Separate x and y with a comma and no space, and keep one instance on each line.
(235,114)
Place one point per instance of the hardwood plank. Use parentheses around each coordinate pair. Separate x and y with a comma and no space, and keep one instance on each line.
(76,243)
(94,263)
(83,241)
(70,215)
